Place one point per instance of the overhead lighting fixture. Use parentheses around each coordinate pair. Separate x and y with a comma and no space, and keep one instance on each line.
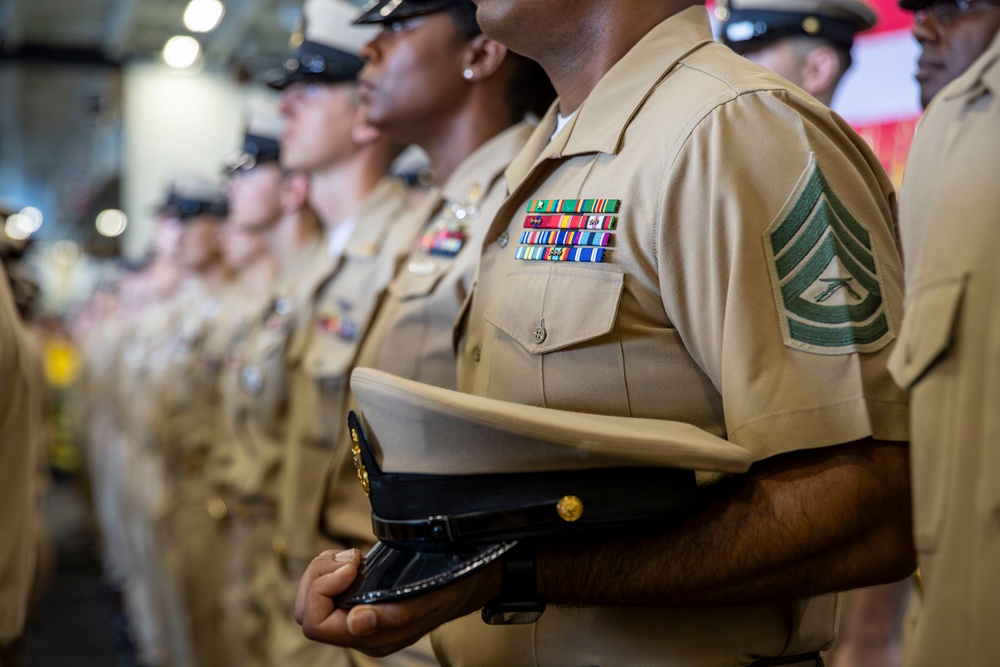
(181,51)
(33,217)
(111,223)
(17,227)
(65,253)
(203,15)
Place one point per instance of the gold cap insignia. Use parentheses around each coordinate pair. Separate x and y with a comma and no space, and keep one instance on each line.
(360,465)
(569,508)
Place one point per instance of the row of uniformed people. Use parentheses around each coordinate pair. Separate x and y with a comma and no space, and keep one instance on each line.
(231,440)
(291,486)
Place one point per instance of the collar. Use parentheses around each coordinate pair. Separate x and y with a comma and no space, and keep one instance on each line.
(481,168)
(377,213)
(982,76)
(599,125)
(338,238)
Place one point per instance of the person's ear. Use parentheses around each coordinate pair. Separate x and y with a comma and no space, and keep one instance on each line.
(482,58)
(820,71)
(294,191)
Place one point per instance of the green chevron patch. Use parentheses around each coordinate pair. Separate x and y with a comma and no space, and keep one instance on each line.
(825,273)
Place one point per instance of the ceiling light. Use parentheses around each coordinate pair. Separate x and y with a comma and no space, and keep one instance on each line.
(17,227)
(181,51)
(33,217)
(111,223)
(65,252)
(203,15)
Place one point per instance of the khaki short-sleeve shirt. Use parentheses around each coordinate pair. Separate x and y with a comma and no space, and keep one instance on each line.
(412,336)
(18,442)
(949,357)
(258,407)
(730,262)
(322,354)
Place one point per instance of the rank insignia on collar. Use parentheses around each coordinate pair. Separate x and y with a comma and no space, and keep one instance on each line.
(825,274)
(341,327)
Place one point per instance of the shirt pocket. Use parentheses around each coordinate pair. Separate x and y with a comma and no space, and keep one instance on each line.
(556,343)
(557,307)
(326,363)
(410,285)
(925,363)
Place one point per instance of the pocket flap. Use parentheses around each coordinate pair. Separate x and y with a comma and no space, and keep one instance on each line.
(550,308)
(928,326)
(329,358)
(416,282)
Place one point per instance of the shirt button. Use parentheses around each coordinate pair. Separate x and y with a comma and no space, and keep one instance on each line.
(539,335)
(477,353)
(503,239)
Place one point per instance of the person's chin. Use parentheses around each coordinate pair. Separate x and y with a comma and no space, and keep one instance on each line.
(928,91)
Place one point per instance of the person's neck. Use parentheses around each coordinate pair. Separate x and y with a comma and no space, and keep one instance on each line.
(212,279)
(165,276)
(293,233)
(453,138)
(336,193)
(601,39)
(258,276)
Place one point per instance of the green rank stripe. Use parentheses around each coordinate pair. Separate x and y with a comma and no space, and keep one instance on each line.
(574,206)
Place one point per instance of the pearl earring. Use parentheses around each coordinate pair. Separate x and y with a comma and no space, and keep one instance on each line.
(468,74)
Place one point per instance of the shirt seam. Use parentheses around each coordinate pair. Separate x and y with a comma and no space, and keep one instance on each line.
(824,406)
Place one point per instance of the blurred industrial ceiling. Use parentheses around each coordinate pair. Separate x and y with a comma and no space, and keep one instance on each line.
(60,90)
(252,32)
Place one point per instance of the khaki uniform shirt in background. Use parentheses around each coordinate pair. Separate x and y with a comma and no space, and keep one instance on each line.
(17,469)
(320,359)
(746,212)
(949,357)
(259,407)
(412,337)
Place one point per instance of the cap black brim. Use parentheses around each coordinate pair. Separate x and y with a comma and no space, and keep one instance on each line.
(391,573)
(393,10)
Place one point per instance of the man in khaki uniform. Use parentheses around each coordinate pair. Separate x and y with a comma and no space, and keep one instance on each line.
(183,427)
(947,357)
(18,434)
(731,263)
(809,43)
(806,41)
(363,212)
(270,204)
(952,34)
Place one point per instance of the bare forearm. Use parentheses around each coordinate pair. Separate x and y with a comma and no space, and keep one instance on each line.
(797,525)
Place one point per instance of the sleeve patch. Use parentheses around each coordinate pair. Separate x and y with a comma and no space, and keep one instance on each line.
(825,273)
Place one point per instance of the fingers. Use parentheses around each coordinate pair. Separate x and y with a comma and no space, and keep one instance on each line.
(326,563)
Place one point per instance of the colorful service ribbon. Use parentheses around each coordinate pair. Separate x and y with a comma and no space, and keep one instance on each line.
(559,254)
(571,222)
(574,206)
(602,239)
